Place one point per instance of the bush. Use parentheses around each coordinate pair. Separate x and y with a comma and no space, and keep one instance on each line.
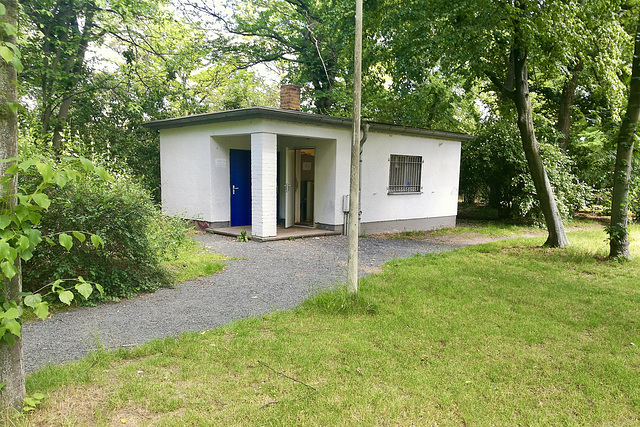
(168,235)
(121,212)
(595,158)
(634,191)
(494,168)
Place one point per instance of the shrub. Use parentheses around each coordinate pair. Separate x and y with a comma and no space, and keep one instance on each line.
(595,158)
(121,212)
(493,168)
(634,191)
(168,235)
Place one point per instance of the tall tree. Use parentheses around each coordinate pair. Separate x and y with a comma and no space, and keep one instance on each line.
(11,365)
(520,96)
(567,97)
(64,30)
(311,37)
(58,36)
(498,43)
(618,232)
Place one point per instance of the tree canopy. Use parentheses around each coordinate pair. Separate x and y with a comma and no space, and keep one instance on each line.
(550,88)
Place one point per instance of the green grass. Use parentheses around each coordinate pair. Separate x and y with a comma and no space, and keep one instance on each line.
(505,333)
(481,228)
(192,260)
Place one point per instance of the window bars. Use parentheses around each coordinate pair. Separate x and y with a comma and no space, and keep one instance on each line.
(405,174)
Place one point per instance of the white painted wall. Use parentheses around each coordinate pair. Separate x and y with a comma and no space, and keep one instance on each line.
(195,170)
(440,177)
(185,172)
(263,184)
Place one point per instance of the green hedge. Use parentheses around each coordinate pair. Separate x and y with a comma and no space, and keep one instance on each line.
(121,212)
(494,168)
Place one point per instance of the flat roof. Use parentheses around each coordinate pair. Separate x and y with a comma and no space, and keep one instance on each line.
(267,113)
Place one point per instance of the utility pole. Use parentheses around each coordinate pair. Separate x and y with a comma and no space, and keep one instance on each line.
(354,188)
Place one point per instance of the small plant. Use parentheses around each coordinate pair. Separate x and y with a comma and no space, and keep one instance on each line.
(30,403)
(616,232)
(243,237)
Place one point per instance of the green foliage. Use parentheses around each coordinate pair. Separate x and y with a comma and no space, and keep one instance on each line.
(571,193)
(243,237)
(169,236)
(31,402)
(634,189)
(309,38)
(595,159)
(493,168)
(165,67)
(616,231)
(20,234)
(131,229)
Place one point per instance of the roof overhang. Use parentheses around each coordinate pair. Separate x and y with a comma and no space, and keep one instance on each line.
(294,116)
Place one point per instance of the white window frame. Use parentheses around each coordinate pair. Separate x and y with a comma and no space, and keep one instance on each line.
(405,174)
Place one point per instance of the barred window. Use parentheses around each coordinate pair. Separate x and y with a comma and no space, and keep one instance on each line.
(405,174)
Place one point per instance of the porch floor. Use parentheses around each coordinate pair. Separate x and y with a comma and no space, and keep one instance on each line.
(295,232)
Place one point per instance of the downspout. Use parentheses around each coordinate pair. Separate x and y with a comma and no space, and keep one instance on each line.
(345,202)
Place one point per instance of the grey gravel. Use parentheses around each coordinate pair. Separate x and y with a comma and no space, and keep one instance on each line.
(267,277)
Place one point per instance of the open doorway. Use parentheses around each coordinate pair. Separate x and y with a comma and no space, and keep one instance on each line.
(300,187)
(305,162)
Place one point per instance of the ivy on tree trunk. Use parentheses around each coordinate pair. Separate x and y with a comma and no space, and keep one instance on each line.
(11,362)
(618,231)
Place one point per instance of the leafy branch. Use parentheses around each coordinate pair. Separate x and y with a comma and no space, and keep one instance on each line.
(19,237)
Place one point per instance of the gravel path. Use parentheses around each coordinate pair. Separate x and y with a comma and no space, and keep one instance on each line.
(270,276)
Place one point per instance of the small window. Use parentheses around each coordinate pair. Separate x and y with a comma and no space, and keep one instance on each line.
(405,174)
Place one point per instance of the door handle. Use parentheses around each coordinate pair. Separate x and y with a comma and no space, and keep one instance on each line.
(234,188)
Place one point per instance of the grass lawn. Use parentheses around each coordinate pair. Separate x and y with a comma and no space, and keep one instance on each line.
(192,260)
(504,333)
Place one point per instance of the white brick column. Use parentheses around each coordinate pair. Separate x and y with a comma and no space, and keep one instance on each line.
(263,184)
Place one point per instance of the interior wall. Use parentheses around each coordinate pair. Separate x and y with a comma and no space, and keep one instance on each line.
(324,171)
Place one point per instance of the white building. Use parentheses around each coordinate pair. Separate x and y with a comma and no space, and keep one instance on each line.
(266,167)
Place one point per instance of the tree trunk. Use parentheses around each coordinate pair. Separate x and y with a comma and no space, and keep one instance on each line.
(11,365)
(566,102)
(557,236)
(63,63)
(618,232)
(63,112)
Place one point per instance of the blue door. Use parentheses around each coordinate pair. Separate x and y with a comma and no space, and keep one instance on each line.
(240,174)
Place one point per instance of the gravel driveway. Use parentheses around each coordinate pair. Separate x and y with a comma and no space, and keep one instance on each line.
(270,276)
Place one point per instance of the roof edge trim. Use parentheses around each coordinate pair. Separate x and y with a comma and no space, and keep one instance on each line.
(267,113)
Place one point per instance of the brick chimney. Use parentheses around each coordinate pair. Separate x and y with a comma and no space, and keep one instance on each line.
(290,97)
